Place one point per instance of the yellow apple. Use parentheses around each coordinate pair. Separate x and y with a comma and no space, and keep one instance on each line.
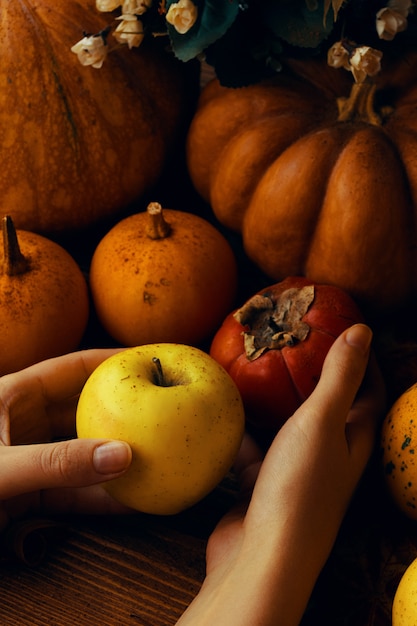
(404,608)
(182,415)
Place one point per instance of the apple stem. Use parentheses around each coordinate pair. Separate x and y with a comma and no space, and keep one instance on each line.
(159,373)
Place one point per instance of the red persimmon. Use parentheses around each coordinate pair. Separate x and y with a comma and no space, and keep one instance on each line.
(274,346)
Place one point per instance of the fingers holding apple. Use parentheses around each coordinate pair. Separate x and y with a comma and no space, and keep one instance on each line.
(182,415)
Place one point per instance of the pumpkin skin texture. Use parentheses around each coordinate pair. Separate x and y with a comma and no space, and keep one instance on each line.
(398,443)
(44,306)
(274,384)
(152,285)
(316,182)
(79,144)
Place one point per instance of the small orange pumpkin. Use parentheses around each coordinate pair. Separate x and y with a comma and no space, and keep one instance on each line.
(319,177)
(79,144)
(162,275)
(44,302)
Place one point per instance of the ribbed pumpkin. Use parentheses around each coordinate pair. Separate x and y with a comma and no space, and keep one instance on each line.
(78,144)
(318,176)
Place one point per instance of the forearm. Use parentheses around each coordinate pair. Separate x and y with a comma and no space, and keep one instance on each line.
(266,585)
(265,564)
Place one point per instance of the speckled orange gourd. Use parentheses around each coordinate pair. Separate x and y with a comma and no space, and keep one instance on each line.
(44,303)
(399,449)
(155,280)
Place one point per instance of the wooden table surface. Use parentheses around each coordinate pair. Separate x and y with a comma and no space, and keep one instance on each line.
(105,574)
(137,570)
(143,570)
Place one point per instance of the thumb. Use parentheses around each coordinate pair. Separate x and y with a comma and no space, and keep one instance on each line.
(343,372)
(72,463)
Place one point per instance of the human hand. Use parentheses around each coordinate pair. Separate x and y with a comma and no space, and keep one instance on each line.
(43,470)
(265,556)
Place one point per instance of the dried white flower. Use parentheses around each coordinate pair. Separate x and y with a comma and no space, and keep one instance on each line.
(182,15)
(365,61)
(91,50)
(135,7)
(107,5)
(389,23)
(129,31)
(338,56)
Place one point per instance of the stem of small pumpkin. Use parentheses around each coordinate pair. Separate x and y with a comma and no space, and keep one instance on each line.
(158,227)
(359,105)
(14,261)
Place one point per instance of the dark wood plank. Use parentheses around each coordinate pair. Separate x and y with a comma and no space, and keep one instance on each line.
(135,570)
(107,577)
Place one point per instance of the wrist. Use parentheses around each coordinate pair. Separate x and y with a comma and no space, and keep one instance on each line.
(259,586)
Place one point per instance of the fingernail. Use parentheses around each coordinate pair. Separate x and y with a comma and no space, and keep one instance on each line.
(112,457)
(359,336)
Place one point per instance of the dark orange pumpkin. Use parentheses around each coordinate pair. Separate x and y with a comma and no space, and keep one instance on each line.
(44,302)
(320,178)
(78,144)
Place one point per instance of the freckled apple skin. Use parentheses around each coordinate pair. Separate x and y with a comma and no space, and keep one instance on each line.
(184,437)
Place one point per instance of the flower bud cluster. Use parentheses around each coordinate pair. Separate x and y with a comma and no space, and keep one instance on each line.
(196,18)
(93,49)
(364,61)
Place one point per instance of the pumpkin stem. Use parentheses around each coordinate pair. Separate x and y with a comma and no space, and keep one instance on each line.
(158,227)
(14,261)
(273,323)
(359,105)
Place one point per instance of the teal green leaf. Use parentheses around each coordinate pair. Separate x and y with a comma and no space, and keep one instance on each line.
(299,23)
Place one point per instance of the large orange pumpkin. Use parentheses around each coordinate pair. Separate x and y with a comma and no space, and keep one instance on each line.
(78,144)
(318,176)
